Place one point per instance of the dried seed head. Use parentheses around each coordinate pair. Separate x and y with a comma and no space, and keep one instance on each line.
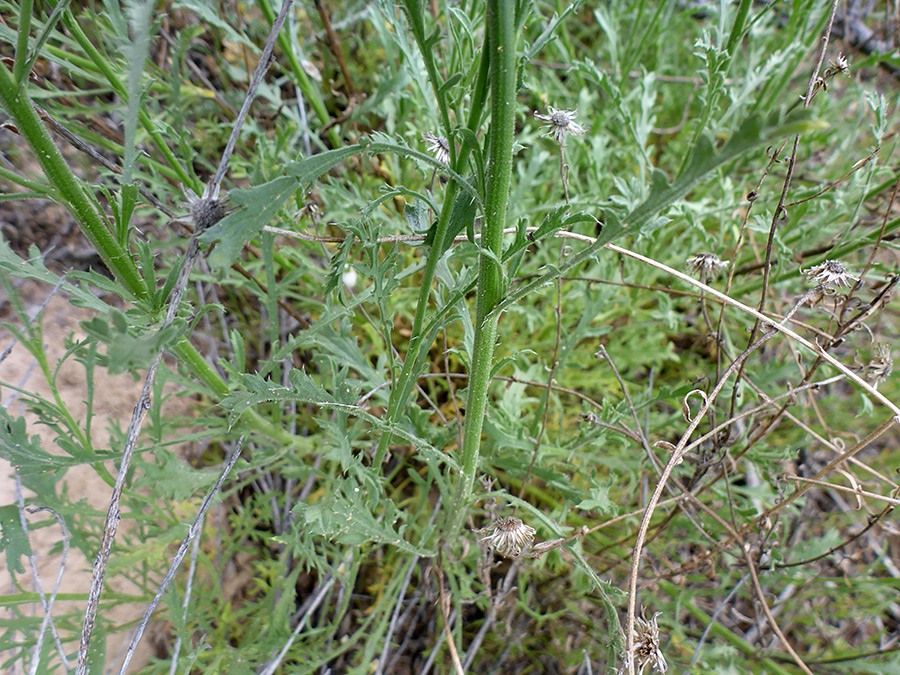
(560,123)
(880,367)
(509,536)
(839,65)
(207,212)
(706,265)
(831,274)
(437,146)
(646,649)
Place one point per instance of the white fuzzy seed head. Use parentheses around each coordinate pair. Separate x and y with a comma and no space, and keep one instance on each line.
(509,536)
(839,65)
(881,366)
(646,649)
(831,274)
(705,265)
(560,123)
(438,146)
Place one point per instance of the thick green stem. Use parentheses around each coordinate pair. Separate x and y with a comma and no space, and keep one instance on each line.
(21,57)
(502,43)
(18,105)
(419,342)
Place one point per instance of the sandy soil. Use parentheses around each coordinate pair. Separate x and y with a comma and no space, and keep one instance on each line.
(115,397)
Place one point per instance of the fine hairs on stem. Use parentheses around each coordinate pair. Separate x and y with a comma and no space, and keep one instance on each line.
(471,339)
(192,534)
(144,403)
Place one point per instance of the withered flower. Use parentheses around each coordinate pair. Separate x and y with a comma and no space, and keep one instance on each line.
(706,265)
(831,274)
(560,123)
(509,536)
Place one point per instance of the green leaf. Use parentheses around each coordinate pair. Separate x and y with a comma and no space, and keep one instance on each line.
(33,268)
(259,205)
(13,539)
(598,501)
(174,479)
(207,15)
(462,217)
(553,221)
(140,19)
(347,519)
(102,282)
(415,214)
(515,254)
(752,133)
(448,83)
(43,35)
(470,140)
(311,168)
(26,453)
(240,354)
(128,200)
(126,351)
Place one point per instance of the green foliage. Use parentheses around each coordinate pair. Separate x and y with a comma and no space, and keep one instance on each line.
(24,452)
(422,358)
(13,539)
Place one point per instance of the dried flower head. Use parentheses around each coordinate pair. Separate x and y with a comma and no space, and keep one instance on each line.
(646,649)
(509,536)
(706,265)
(205,211)
(880,367)
(839,65)
(560,123)
(831,274)
(437,146)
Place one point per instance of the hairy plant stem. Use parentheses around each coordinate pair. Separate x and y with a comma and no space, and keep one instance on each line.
(502,45)
(419,342)
(68,187)
(21,57)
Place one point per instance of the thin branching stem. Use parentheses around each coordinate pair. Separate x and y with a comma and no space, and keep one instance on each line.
(674,460)
(265,60)
(46,603)
(185,604)
(113,514)
(193,532)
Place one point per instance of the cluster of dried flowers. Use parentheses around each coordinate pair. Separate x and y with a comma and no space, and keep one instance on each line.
(880,367)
